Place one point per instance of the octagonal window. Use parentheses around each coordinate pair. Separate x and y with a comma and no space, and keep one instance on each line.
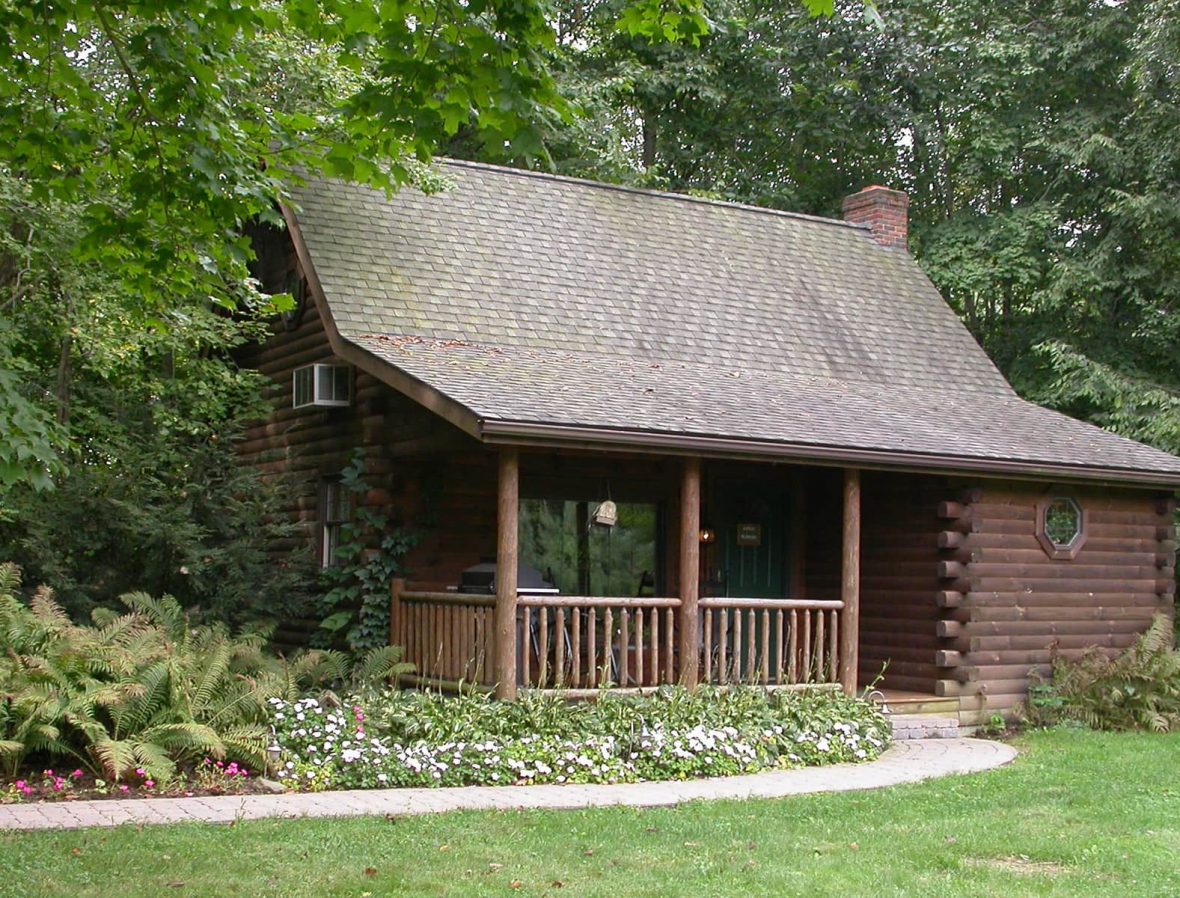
(1063,522)
(1061,526)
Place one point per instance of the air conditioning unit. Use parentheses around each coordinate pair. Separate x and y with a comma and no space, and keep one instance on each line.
(327,386)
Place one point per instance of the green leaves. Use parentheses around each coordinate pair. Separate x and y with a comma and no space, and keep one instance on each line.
(1137,690)
(150,689)
(355,605)
(27,452)
(660,21)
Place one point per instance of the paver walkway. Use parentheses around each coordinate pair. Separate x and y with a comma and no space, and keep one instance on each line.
(905,762)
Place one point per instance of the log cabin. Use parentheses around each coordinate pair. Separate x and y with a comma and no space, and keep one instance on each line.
(648,438)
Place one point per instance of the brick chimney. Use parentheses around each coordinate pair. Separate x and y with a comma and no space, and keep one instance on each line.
(885,211)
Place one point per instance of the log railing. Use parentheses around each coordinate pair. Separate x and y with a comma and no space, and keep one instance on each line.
(770,642)
(579,643)
(448,637)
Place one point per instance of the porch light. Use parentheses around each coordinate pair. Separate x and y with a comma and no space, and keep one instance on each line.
(708,535)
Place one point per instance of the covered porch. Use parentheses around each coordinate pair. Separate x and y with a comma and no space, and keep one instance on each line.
(754,576)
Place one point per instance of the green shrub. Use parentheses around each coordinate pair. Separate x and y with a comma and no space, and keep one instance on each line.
(144,689)
(423,739)
(1138,690)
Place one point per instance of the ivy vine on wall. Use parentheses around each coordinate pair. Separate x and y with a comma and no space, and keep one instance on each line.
(371,552)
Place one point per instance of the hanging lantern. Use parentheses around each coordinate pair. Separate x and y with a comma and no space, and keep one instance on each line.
(606,514)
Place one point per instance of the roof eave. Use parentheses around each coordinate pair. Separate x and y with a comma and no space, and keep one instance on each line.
(525,433)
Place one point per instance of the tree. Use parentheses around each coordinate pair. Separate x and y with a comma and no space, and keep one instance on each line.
(164,127)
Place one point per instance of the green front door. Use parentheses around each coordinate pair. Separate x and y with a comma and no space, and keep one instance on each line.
(751,556)
(749,559)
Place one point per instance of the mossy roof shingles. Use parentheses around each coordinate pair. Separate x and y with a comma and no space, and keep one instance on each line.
(535,299)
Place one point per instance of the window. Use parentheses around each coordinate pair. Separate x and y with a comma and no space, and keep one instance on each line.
(335,512)
(1061,527)
(322,385)
(562,540)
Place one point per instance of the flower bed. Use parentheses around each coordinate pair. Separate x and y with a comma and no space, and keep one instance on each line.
(422,739)
(209,777)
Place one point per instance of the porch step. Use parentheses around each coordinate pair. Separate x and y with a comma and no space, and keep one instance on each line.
(920,726)
(914,703)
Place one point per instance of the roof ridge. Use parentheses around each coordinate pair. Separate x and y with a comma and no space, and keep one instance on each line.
(645,191)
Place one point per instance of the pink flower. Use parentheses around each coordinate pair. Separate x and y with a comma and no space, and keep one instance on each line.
(77,774)
(139,771)
(124,788)
(47,773)
(245,772)
(149,784)
(20,784)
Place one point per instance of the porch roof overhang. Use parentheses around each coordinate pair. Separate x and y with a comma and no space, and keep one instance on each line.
(582,400)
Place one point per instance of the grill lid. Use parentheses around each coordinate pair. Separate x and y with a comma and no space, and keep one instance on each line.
(481,578)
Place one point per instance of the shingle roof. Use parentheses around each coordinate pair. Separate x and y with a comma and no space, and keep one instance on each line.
(537,299)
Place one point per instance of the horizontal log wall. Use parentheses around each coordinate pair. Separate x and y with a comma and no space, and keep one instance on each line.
(823,529)
(1011,607)
(900,555)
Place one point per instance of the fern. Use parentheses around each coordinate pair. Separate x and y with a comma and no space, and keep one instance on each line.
(1137,690)
(379,665)
(145,688)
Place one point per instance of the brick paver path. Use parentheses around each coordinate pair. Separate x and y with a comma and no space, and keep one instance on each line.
(905,762)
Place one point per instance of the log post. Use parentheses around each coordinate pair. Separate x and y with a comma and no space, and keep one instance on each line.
(690,570)
(507,523)
(396,587)
(850,583)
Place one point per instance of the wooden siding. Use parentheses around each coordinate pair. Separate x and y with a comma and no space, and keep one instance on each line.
(823,528)
(899,612)
(1016,605)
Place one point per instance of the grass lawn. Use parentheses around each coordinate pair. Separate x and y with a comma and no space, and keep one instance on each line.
(1077,814)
